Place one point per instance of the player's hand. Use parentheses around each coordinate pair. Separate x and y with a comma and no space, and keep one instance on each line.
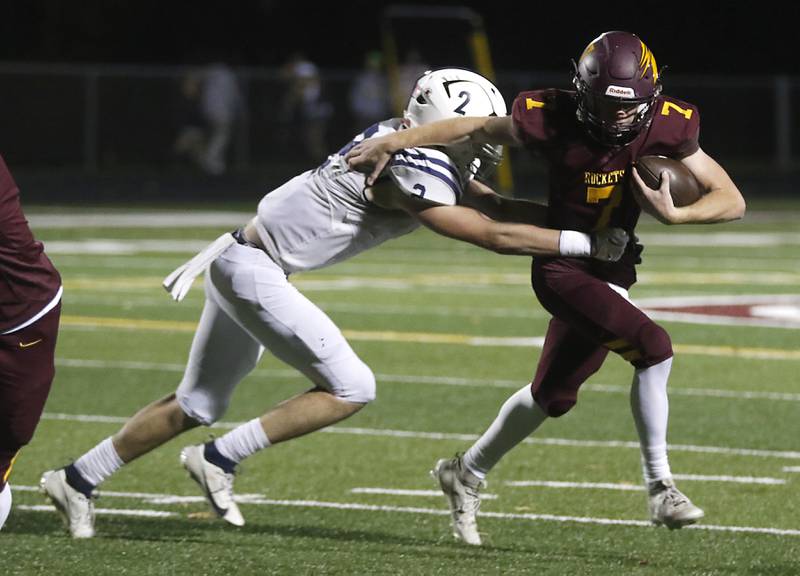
(658,203)
(370,157)
(609,244)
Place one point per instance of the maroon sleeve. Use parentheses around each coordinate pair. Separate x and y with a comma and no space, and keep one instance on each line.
(676,127)
(528,116)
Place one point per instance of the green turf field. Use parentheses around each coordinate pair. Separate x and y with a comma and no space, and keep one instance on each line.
(450,332)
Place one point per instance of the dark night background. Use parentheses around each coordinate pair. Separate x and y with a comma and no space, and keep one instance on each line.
(734,38)
(111,138)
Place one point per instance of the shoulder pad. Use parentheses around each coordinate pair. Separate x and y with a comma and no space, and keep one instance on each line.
(427,174)
(676,127)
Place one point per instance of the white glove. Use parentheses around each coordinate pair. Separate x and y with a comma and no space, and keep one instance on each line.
(609,244)
(180,280)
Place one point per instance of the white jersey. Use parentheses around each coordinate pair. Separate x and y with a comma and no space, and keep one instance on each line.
(323,216)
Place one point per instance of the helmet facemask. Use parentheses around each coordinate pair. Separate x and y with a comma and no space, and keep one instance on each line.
(613,120)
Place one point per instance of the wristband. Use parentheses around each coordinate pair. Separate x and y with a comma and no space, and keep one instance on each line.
(572,243)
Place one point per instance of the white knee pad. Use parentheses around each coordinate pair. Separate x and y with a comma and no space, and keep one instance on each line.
(5,504)
(357,385)
(200,405)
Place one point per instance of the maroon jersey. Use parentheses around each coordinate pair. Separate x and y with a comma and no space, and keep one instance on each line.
(587,180)
(28,280)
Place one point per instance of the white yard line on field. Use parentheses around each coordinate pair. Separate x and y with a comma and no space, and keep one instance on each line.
(154,219)
(471,437)
(101,511)
(434,380)
(437,512)
(624,486)
(421,493)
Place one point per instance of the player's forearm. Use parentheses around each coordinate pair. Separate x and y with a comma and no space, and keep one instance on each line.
(523,240)
(722,204)
(441,133)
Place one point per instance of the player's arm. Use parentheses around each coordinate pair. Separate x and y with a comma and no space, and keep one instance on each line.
(722,201)
(469,225)
(372,155)
(501,208)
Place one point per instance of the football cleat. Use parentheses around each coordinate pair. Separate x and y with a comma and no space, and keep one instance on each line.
(217,484)
(75,509)
(670,507)
(461,488)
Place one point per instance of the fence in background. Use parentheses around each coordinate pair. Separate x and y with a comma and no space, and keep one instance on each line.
(102,118)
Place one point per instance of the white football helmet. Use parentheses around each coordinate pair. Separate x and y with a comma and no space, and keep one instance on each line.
(451,93)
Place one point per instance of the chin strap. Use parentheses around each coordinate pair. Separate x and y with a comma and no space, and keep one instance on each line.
(180,280)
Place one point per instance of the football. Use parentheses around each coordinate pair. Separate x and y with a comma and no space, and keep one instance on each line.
(684,187)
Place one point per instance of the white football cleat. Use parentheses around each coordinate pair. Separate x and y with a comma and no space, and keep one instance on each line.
(670,507)
(461,488)
(217,484)
(76,510)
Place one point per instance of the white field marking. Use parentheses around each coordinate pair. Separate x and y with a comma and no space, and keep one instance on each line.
(153,264)
(421,493)
(638,488)
(109,511)
(707,319)
(733,479)
(770,310)
(154,219)
(566,442)
(703,392)
(107,246)
(378,432)
(435,380)
(716,299)
(154,498)
(483,514)
(728,239)
(791,468)
(587,485)
(724,278)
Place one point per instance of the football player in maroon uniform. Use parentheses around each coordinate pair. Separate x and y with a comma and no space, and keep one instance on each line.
(30,307)
(589,138)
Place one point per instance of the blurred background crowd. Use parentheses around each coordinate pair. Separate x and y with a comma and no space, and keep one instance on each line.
(107,100)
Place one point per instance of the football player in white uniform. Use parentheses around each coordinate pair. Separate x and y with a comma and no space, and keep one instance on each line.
(316,219)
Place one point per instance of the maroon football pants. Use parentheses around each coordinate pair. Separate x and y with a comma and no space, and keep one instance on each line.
(26,372)
(589,319)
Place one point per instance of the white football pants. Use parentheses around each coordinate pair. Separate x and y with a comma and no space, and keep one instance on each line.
(251,306)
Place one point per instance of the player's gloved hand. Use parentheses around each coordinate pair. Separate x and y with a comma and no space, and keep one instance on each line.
(609,244)
(180,280)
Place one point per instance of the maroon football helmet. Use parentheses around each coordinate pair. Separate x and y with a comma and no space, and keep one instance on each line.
(616,79)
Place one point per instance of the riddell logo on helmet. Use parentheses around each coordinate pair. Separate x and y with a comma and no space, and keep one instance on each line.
(620,92)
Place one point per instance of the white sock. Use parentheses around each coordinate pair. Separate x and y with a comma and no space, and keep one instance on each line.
(5,504)
(650,408)
(243,441)
(519,416)
(99,463)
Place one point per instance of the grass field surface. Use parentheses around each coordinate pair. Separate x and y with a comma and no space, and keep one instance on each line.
(450,332)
